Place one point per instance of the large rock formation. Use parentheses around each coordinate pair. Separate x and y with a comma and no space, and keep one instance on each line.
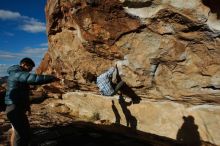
(165,49)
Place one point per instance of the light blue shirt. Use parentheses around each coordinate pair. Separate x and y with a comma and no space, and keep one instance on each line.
(104,82)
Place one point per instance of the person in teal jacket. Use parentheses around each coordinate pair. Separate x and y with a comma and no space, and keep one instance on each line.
(17,99)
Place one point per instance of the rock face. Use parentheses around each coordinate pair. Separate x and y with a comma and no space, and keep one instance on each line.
(165,50)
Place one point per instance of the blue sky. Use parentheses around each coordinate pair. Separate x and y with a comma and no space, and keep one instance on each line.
(22,31)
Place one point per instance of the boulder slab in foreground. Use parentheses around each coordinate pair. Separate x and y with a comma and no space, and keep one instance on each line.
(164,118)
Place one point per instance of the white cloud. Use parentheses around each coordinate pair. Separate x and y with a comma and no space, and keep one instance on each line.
(37,53)
(33,26)
(6,55)
(26,23)
(9,15)
(44,45)
(9,34)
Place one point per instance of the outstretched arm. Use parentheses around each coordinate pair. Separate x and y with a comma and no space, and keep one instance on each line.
(34,79)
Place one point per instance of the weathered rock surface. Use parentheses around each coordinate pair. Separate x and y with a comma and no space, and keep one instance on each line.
(163,48)
(175,120)
(167,51)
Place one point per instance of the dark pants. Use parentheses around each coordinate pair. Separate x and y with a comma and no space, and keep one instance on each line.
(17,117)
(117,87)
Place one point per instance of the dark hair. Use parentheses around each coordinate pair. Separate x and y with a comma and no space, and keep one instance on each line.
(28,61)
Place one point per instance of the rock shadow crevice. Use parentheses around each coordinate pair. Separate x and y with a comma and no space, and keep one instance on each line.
(131,4)
(213,5)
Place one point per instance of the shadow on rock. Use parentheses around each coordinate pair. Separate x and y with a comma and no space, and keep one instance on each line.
(188,134)
(89,134)
(130,119)
(126,90)
(116,113)
(213,5)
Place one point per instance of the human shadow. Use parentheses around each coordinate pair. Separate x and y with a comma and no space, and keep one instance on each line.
(188,134)
(131,121)
(117,115)
(126,90)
